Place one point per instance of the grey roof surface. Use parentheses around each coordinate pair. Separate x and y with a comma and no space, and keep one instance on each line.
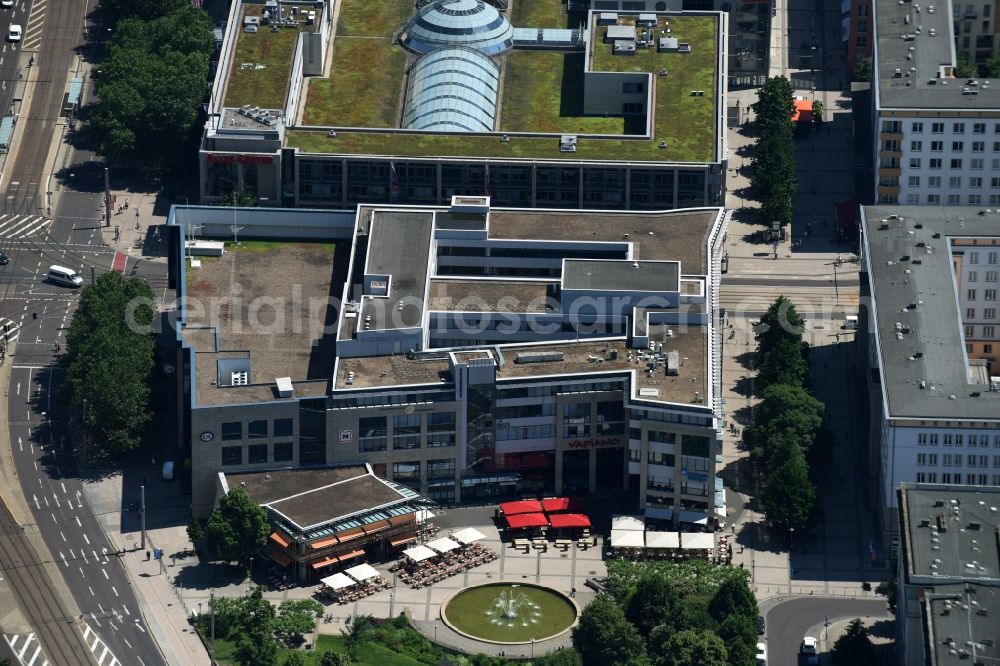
(922,88)
(399,245)
(951,532)
(963,623)
(625,275)
(934,341)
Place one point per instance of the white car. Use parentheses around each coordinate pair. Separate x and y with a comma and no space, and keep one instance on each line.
(14,33)
(810,650)
(761,654)
(6,3)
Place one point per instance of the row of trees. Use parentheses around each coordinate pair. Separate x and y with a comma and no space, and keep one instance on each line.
(666,617)
(773,180)
(787,436)
(109,359)
(151,83)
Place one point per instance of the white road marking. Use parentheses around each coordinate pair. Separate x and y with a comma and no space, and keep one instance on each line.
(105,572)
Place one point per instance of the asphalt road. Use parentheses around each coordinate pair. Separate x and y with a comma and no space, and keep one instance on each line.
(10,51)
(788,621)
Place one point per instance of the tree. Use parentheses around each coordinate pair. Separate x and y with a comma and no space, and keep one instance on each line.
(964,67)
(256,647)
(355,634)
(739,634)
(854,647)
(992,66)
(603,636)
(297,617)
(333,658)
(789,498)
(240,199)
(862,70)
(781,320)
(654,602)
(109,358)
(786,413)
(773,181)
(687,648)
(817,113)
(195,532)
(115,10)
(733,597)
(785,363)
(293,659)
(238,527)
(561,657)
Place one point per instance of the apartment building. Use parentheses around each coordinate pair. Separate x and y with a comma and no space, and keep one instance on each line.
(975,29)
(856,29)
(934,384)
(466,352)
(937,138)
(605,109)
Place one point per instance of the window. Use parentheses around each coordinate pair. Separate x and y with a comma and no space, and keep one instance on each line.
(974,256)
(947,442)
(631,108)
(957,146)
(934,181)
(996,146)
(932,459)
(976,164)
(921,477)
(973,440)
(979,128)
(256,454)
(978,146)
(954,181)
(371,433)
(861,42)
(970,295)
(996,461)
(441,429)
(975,199)
(917,146)
(995,199)
(406,431)
(988,331)
(232,455)
(934,439)
(975,181)
(933,199)
(946,478)
(953,199)
(958,440)
(282,452)
(937,128)
(863,11)
(862,26)
(937,146)
(989,313)
(958,128)
(991,294)
(987,349)
(406,470)
(443,468)
(995,164)
(969,332)
(913,181)
(312,453)
(991,258)
(991,276)
(970,461)
(232,430)
(257,429)
(921,459)
(970,313)
(922,438)
(917,128)
(282,427)
(914,162)
(956,163)
(935,163)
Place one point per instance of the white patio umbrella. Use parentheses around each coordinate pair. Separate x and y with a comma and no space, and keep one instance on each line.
(442,545)
(468,535)
(419,553)
(363,571)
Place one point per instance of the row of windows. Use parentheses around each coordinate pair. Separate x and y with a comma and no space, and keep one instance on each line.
(258,453)
(938,127)
(956,146)
(952,439)
(956,460)
(975,163)
(991,276)
(952,199)
(988,294)
(436,469)
(946,477)
(233,430)
(987,332)
(991,257)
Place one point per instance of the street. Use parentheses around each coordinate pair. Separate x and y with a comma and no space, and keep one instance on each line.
(788,621)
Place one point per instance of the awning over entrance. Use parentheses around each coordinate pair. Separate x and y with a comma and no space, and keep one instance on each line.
(351,555)
(558,520)
(325,562)
(524,520)
(523,506)
(325,543)
(278,539)
(396,543)
(281,558)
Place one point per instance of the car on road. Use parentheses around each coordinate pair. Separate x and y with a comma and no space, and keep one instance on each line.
(14,33)
(761,654)
(810,650)
(6,3)
(4,259)
(760,625)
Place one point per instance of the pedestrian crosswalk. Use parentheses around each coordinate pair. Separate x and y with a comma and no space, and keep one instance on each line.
(33,32)
(27,649)
(98,648)
(8,330)
(22,226)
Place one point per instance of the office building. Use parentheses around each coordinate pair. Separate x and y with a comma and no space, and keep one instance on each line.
(593,109)
(928,339)
(466,352)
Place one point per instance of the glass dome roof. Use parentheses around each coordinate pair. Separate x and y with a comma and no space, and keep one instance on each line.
(452,90)
(471,23)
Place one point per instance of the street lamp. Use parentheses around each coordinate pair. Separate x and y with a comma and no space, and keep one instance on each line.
(791,545)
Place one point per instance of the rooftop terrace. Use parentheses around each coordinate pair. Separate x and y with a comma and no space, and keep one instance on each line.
(261,65)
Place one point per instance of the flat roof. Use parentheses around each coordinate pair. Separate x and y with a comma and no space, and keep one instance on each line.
(399,246)
(489,295)
(963,624)
(952,532)
(247,275)
(918,43)
(262,64)
(310,497)
(624,275)
(910,264)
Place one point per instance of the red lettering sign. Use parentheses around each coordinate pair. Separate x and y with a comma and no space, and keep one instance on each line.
(214,158)
(592,443)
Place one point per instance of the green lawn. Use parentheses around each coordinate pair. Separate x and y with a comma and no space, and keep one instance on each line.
(543,92)
(468,612)
(356,95)
(538,13)
(373,18)
(261,87)
(686,123)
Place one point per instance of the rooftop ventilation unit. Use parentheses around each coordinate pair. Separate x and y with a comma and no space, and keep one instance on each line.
(241,378)
(539,357)
(284,386)
(567,143)
(673,364)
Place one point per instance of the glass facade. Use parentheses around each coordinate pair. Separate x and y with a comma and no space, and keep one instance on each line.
(479,430)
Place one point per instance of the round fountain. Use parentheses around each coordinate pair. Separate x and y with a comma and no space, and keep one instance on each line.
(509,612)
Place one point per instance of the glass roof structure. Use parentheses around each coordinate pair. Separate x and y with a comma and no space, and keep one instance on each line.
(471,23)
(452,90)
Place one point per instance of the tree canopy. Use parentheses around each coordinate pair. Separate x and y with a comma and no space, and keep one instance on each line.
(237,527)
(604,637)
(109,358)
(855,646)
(654,602)
(297,617)
(687,648)
(773,180)
(789,497)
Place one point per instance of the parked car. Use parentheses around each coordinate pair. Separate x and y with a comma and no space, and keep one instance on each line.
(4,259)
(6,3)
(14,33)
(761,654)
(810,650)
(760,625)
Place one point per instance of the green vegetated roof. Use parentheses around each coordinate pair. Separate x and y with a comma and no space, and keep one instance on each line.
(248,82)
(542,93)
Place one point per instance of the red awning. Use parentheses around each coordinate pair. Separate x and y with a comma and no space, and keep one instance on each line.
(396,543)
(352,554)
(523,520)
(523,506)
(324,562)
(555,504)
(803,111)
(281,558)
(278,539)
(325,543)
(569,520)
